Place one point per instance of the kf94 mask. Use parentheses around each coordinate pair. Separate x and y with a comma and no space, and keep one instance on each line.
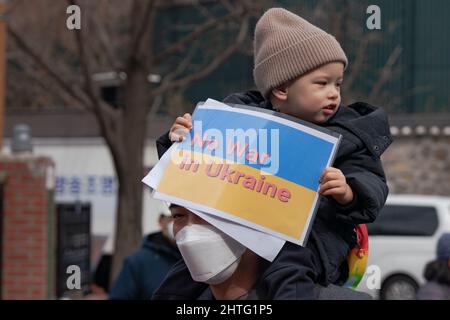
(210,255)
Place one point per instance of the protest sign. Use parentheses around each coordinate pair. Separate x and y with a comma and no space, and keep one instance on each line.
(250,167)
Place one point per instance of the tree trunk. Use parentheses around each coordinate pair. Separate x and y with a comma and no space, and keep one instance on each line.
(129,166)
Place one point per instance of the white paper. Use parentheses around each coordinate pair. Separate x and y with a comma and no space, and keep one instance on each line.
(263,244)
(154,176)
(159,168)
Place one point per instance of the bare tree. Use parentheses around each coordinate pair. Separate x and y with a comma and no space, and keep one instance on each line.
(120,36)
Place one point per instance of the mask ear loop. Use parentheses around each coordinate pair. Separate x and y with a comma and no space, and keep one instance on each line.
(170,230)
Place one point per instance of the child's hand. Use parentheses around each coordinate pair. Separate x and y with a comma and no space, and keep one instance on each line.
(180,128)
(333,183)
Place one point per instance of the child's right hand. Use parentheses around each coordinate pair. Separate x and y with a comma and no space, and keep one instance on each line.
(180,128)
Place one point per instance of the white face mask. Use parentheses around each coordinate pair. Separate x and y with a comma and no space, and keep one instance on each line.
(210,255)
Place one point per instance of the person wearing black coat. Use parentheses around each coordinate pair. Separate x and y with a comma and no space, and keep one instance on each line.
(298,71)
(144,270)
(366,135)
(247,282)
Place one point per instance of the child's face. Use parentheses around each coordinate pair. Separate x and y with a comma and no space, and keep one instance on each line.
(315,96)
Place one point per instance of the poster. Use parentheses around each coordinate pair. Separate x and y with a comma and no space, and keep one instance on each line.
(254,168)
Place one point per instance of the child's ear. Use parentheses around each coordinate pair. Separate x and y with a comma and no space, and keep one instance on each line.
(280,92)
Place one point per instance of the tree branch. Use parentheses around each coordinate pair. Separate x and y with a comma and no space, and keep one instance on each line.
(180,44)
(203,11)
(73,92)
(103,111)
(12,6)
(182,66)
(186,81)
(358,63)
(227,5)
(385,72)
(105,44)
(141,28)
(40,78)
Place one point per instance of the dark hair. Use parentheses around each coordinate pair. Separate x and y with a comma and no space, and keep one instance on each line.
(438,270)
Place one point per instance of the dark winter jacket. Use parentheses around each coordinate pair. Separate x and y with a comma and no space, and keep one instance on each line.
(179,286)
(366,135)
(143,272)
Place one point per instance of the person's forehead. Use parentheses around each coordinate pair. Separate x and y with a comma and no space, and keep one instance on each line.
(332,68)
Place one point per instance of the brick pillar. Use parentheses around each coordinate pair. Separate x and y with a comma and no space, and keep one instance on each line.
(27,267)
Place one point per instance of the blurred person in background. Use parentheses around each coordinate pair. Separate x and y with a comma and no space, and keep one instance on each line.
(437,273)
(143,272)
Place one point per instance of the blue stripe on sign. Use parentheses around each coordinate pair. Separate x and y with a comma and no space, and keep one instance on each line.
(302,156)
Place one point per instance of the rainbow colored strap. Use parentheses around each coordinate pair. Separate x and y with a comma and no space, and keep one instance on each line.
(357,258)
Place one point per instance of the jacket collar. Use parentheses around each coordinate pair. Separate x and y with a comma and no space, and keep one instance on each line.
(367,122)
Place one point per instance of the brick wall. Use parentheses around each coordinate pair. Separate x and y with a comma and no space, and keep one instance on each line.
(27,267)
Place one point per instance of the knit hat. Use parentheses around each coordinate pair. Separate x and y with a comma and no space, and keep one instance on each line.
(443,247)
(287,46)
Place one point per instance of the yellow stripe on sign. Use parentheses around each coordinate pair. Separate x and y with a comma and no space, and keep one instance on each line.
(242,191)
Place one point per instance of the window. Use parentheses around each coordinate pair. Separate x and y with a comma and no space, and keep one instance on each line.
(399,220)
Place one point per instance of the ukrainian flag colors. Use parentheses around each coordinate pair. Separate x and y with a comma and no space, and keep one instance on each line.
(219,173)
(244,193)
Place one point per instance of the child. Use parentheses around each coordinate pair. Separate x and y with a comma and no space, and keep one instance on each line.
(298,71)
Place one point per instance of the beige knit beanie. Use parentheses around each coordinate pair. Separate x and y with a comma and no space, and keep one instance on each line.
(287,46)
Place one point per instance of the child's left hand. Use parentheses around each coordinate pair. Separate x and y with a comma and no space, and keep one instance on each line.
(333,183)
